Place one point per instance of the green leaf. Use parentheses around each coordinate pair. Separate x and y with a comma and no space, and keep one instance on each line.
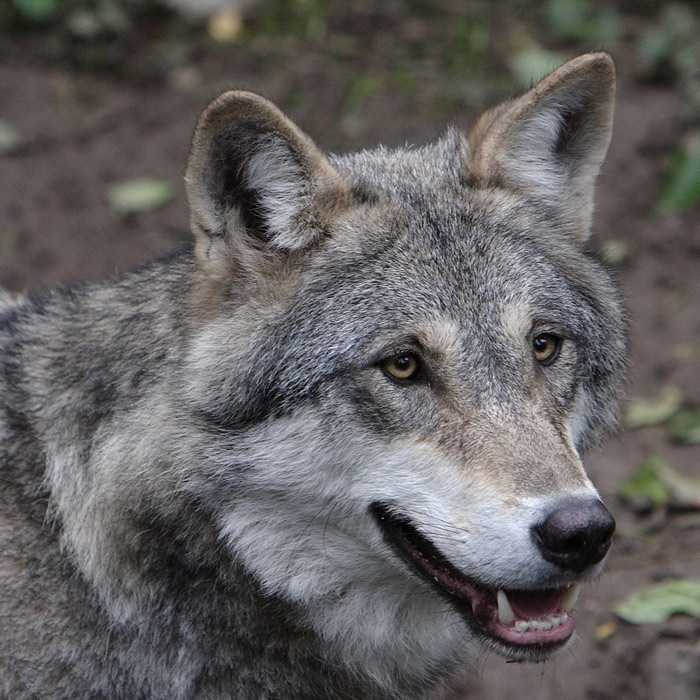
(36,10)
(104,19)
(10,138)
(567,18)
(614,251)
(654,48)
(582,20)
(646,485)
(645,412)
(679,22)
(658,483)
(139,194)
(685,426)
(657,603)
(682,188)
(684,491)
(531,64)
(84,24)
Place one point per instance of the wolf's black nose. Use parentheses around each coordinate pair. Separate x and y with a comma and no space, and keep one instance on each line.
(576,534)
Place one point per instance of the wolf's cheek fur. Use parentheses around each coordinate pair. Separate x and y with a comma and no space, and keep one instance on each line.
(300,523)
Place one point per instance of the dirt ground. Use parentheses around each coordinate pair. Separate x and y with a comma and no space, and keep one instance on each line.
(85,127)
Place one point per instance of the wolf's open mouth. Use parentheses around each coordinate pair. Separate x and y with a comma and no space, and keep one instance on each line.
(520,619)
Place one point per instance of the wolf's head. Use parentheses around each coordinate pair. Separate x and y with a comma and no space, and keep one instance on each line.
(398,357)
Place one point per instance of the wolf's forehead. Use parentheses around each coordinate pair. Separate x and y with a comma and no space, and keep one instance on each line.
(406,171)
(432,280)
(439,249)
(447,256)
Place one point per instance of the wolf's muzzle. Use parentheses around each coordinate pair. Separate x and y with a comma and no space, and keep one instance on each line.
(576,534)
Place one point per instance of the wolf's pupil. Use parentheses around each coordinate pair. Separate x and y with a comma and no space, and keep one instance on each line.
(546,347)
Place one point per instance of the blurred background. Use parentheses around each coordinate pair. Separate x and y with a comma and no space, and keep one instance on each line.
(97,104)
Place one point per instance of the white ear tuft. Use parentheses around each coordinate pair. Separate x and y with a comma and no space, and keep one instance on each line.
(282,191)
(254,176)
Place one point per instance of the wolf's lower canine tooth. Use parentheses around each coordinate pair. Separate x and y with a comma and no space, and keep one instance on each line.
(570,597)
(505,612)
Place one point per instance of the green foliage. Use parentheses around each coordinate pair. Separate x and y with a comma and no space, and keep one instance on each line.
(531,64)
(645,485)
(671,43)
(86,20)
(583,21)
(103,18)
(643,412)
(139,194)
(10,138)
(470,44)
(670,48)
(304,18)
(656,483)
(614,251)
(657,603)
(682,187)
(685,426)
(36,10)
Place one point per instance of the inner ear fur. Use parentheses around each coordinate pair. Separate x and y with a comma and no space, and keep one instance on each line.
(254,179)
(549,144)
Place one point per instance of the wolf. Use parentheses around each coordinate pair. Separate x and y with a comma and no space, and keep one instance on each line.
(331,450)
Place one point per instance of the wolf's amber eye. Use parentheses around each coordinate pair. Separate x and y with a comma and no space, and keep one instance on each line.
(405,367)
(546,347)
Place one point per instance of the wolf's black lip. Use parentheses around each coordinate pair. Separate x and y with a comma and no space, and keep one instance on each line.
(422,556)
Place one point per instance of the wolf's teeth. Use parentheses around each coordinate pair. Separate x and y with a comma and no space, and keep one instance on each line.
(546,624)
(505,612)
(570,597)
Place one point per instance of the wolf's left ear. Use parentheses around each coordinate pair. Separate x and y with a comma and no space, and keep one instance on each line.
(549,144)
(255,179)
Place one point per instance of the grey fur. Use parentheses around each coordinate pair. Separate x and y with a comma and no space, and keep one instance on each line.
(189,451)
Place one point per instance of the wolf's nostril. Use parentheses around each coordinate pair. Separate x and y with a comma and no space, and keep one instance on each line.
(576,534)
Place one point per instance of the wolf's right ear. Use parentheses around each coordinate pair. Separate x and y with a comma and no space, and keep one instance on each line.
(254,179)
(549,144)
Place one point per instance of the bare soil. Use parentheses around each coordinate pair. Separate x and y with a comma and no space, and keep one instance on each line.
(84,129)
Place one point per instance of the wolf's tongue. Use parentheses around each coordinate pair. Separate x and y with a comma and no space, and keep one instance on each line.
(529,605)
